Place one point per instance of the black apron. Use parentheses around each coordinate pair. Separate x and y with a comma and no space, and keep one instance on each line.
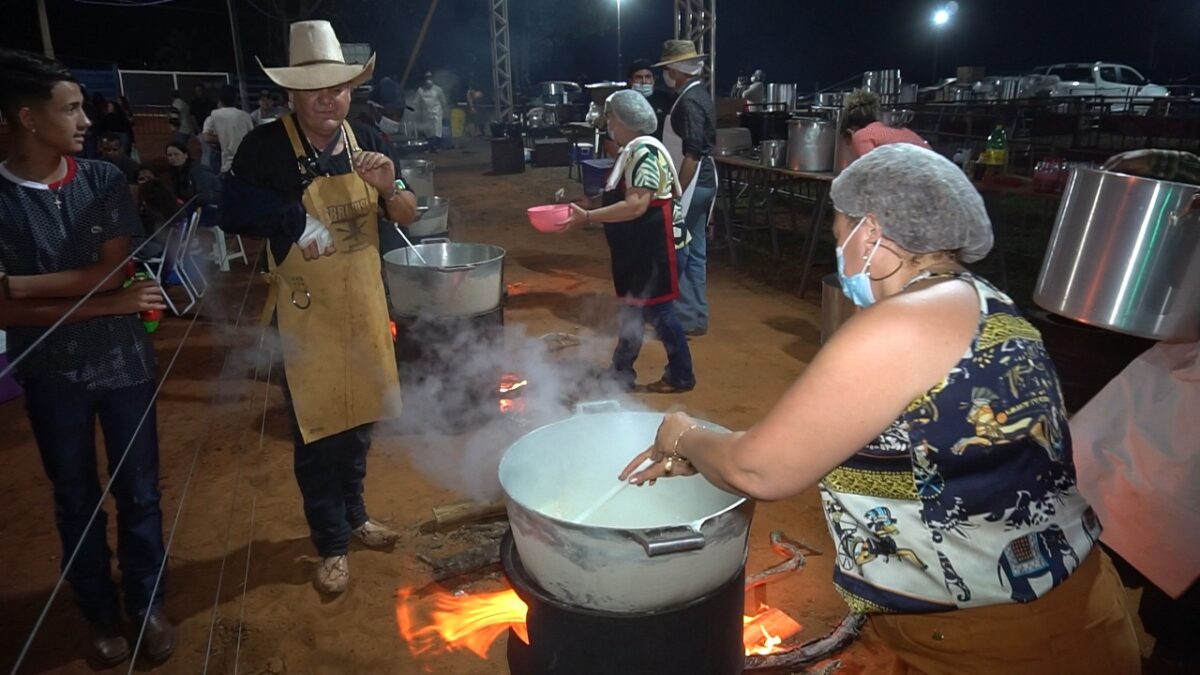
(644,267)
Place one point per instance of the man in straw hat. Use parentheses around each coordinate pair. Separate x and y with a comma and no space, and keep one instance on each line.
(313,185)
(690,133)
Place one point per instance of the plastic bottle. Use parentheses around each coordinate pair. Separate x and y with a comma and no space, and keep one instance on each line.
(150,317)
(996,151)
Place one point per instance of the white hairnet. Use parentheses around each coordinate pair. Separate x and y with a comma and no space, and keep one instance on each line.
(632,110)
(922,200)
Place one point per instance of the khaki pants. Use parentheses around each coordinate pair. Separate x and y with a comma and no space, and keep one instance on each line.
(1082,626)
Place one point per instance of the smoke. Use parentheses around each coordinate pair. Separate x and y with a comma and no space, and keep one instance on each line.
(455,432)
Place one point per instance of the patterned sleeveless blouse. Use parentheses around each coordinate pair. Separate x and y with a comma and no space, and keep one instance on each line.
(968,499)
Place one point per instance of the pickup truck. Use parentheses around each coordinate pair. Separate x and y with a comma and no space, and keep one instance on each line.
(1108,80)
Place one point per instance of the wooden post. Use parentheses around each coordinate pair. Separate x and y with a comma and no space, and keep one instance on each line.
(44,23)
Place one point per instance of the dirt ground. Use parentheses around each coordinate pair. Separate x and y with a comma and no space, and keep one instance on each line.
(239,550)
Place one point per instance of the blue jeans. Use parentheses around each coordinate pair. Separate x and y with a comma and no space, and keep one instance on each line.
(63,418)
(631,324)
(330,473)
(692,305)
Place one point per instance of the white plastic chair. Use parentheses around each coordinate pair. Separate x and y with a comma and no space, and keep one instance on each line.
(160,268)
(221,253)
(190,270)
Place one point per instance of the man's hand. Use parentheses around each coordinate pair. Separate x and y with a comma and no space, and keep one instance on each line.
(139,297)
(316,240)
(377,169)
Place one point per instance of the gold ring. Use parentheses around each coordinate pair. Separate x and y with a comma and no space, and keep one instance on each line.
(669,465)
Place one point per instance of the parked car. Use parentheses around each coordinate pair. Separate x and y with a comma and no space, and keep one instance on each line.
(1106,80)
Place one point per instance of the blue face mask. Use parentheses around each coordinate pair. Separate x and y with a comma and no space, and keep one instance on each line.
(644,89)
(857,287)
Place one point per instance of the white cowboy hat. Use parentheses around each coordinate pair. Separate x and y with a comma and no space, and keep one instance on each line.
(678,51)
(315,60)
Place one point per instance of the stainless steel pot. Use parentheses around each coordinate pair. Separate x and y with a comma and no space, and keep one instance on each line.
(647,548)
(773,153)
(558,92)
(454,280)
(732,140)
(830,99)
(811,143)
(836,308)
(896,118)
(1125,255)
(781,93)
(435,217)
(418,174)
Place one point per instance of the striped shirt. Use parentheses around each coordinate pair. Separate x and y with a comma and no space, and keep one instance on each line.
(650,169)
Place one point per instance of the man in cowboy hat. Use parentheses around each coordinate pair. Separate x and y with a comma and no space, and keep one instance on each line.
(313,184)
(690,133)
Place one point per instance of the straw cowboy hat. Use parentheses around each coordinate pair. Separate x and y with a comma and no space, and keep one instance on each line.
(676,51)
(315,60)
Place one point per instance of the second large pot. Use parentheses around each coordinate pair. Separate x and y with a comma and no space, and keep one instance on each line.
(649,548)
(1125,255)
(811,143)
(454,280)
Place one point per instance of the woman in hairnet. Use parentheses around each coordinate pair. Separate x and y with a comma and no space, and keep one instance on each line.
(643,226)
(933,425)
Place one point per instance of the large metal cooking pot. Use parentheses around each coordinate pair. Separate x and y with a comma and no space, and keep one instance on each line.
(435,217)
(1125,255)
(454,280)
(772,153)
(418,174)
(646,549)
(886,83)
(781,93)
(830,99)
(811,143)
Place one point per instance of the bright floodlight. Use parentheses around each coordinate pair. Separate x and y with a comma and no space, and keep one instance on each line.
(940,17)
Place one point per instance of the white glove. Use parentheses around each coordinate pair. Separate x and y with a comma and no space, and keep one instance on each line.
(315,230)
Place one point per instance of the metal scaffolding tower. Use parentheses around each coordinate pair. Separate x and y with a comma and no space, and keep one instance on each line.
(696,20)
(501,61)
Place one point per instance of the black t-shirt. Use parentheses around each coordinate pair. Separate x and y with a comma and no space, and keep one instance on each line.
(695,120)
(201,108)
(265,158)
(262,194)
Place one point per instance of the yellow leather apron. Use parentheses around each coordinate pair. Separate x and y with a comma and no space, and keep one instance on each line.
(332,311)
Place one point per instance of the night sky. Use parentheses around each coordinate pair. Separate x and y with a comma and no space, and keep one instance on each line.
(793,40)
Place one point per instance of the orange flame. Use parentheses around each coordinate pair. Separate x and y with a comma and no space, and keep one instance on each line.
(472,622)
(476,621)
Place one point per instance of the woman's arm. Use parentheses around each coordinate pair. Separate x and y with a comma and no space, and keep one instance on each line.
(858,383)
(636,202)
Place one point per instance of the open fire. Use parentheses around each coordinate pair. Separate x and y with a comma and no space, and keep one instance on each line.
(444,622)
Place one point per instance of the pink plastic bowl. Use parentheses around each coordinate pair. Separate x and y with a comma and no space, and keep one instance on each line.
(550,218)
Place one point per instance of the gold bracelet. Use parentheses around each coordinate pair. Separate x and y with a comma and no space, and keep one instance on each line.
(675,449)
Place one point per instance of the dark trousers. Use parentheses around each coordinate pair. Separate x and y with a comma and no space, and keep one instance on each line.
(63,418)
(330,473)
(631,326)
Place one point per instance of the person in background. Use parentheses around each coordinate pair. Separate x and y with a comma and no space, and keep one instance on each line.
(65,225)
(478,116)
(756,92)
(313,185)
(865,130)
(267,110)
(431,108)
(183,112)
(113,152)
(113,120)
(188,178)
(739,87)
(643,225)
(1135,449)
(933,423)
(202,105)
(227,126)
(641,79)
(689,133)
(121,103)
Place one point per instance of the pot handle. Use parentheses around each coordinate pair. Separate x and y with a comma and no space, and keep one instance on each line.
(590,407)
(668,540)
(436,240)
(453,268)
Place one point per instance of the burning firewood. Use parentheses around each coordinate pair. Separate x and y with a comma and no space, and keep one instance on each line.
(813,650)
(766,631)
